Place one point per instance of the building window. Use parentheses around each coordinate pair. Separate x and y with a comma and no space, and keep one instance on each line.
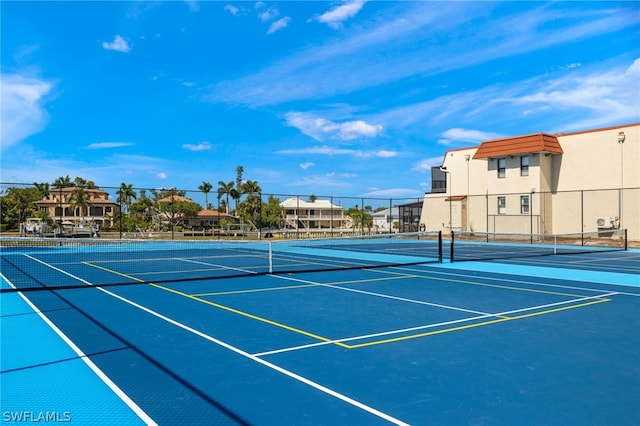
(524,204)
(502,205)
(502,166)
(524,165)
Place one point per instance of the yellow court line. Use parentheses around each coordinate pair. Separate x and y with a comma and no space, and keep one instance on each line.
(361,345)
(113,272)
(226,308)
(248,315)
(465,327)
(504,287)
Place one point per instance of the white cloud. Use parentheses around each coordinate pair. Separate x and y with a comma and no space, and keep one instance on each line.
(202,146)
(466,136)
(331,151)
(161,175)
(426,164)
(107,145)
(231,9)
(321,150)
(321,129)
(118,44)
(306,165)
(23,113)
(595,99)
(269,14)
(336,16)
(386,154)
(279,24)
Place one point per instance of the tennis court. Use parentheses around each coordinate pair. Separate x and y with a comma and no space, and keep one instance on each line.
(356,331)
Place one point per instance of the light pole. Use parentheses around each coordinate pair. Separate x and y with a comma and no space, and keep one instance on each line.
(533,191)
(449,185)
(467,158)
(621,139)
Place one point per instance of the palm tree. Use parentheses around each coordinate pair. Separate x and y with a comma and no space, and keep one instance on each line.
(206,187)
(43,189)
(238,189)
(253,202)
(62,182)
(224,188)
(125,194)
(79,199)
(239,172)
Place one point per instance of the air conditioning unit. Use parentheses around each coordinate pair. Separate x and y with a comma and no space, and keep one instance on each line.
(605,222)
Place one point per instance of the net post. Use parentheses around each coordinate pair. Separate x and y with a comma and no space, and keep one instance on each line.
(451,249)
(439,246)
(555,244)
(270,258)
(626,241)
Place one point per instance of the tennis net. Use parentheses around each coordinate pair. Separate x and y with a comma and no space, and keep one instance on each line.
(493,246)
(58,263)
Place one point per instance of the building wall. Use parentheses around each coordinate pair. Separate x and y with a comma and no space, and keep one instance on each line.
(594,177)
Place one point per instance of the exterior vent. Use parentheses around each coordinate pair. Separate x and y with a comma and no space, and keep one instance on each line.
(606,222)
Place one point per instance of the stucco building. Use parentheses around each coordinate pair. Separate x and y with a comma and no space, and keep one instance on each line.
(540,184)
(59,206)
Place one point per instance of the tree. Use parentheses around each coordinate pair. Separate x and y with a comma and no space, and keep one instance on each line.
(224,188)
(79,200)
(62,182)
(312,198)
(361,218)
(43,189)
(239,172)
(272,213)
(125,195)
(206,188)
(252,205)
(143,210)
(18,204)
(81,182)
(238,189)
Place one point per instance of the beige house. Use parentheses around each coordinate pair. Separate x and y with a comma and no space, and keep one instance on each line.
(540,183)
(101,210)
(313,215)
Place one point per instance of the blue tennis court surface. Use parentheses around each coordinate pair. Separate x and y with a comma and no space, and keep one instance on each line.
(531,341)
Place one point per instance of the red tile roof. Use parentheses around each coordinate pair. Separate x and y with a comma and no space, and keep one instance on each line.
(528,144)
(213,214)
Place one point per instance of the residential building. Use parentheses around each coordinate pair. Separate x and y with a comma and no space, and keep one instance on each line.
(313,215)
(540,183)
(101,211)
(386,220)
(209,219)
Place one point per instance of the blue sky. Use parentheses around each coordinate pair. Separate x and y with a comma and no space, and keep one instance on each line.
(348,98)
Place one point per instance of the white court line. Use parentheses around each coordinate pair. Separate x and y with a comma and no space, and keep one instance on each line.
(114,388)
(213,264)
(238,351)
(430,274)
(441,324)
(385,296)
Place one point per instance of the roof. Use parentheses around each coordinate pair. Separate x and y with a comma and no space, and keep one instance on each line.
(174,198)
(539,142)
(213,213)
(295,203)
